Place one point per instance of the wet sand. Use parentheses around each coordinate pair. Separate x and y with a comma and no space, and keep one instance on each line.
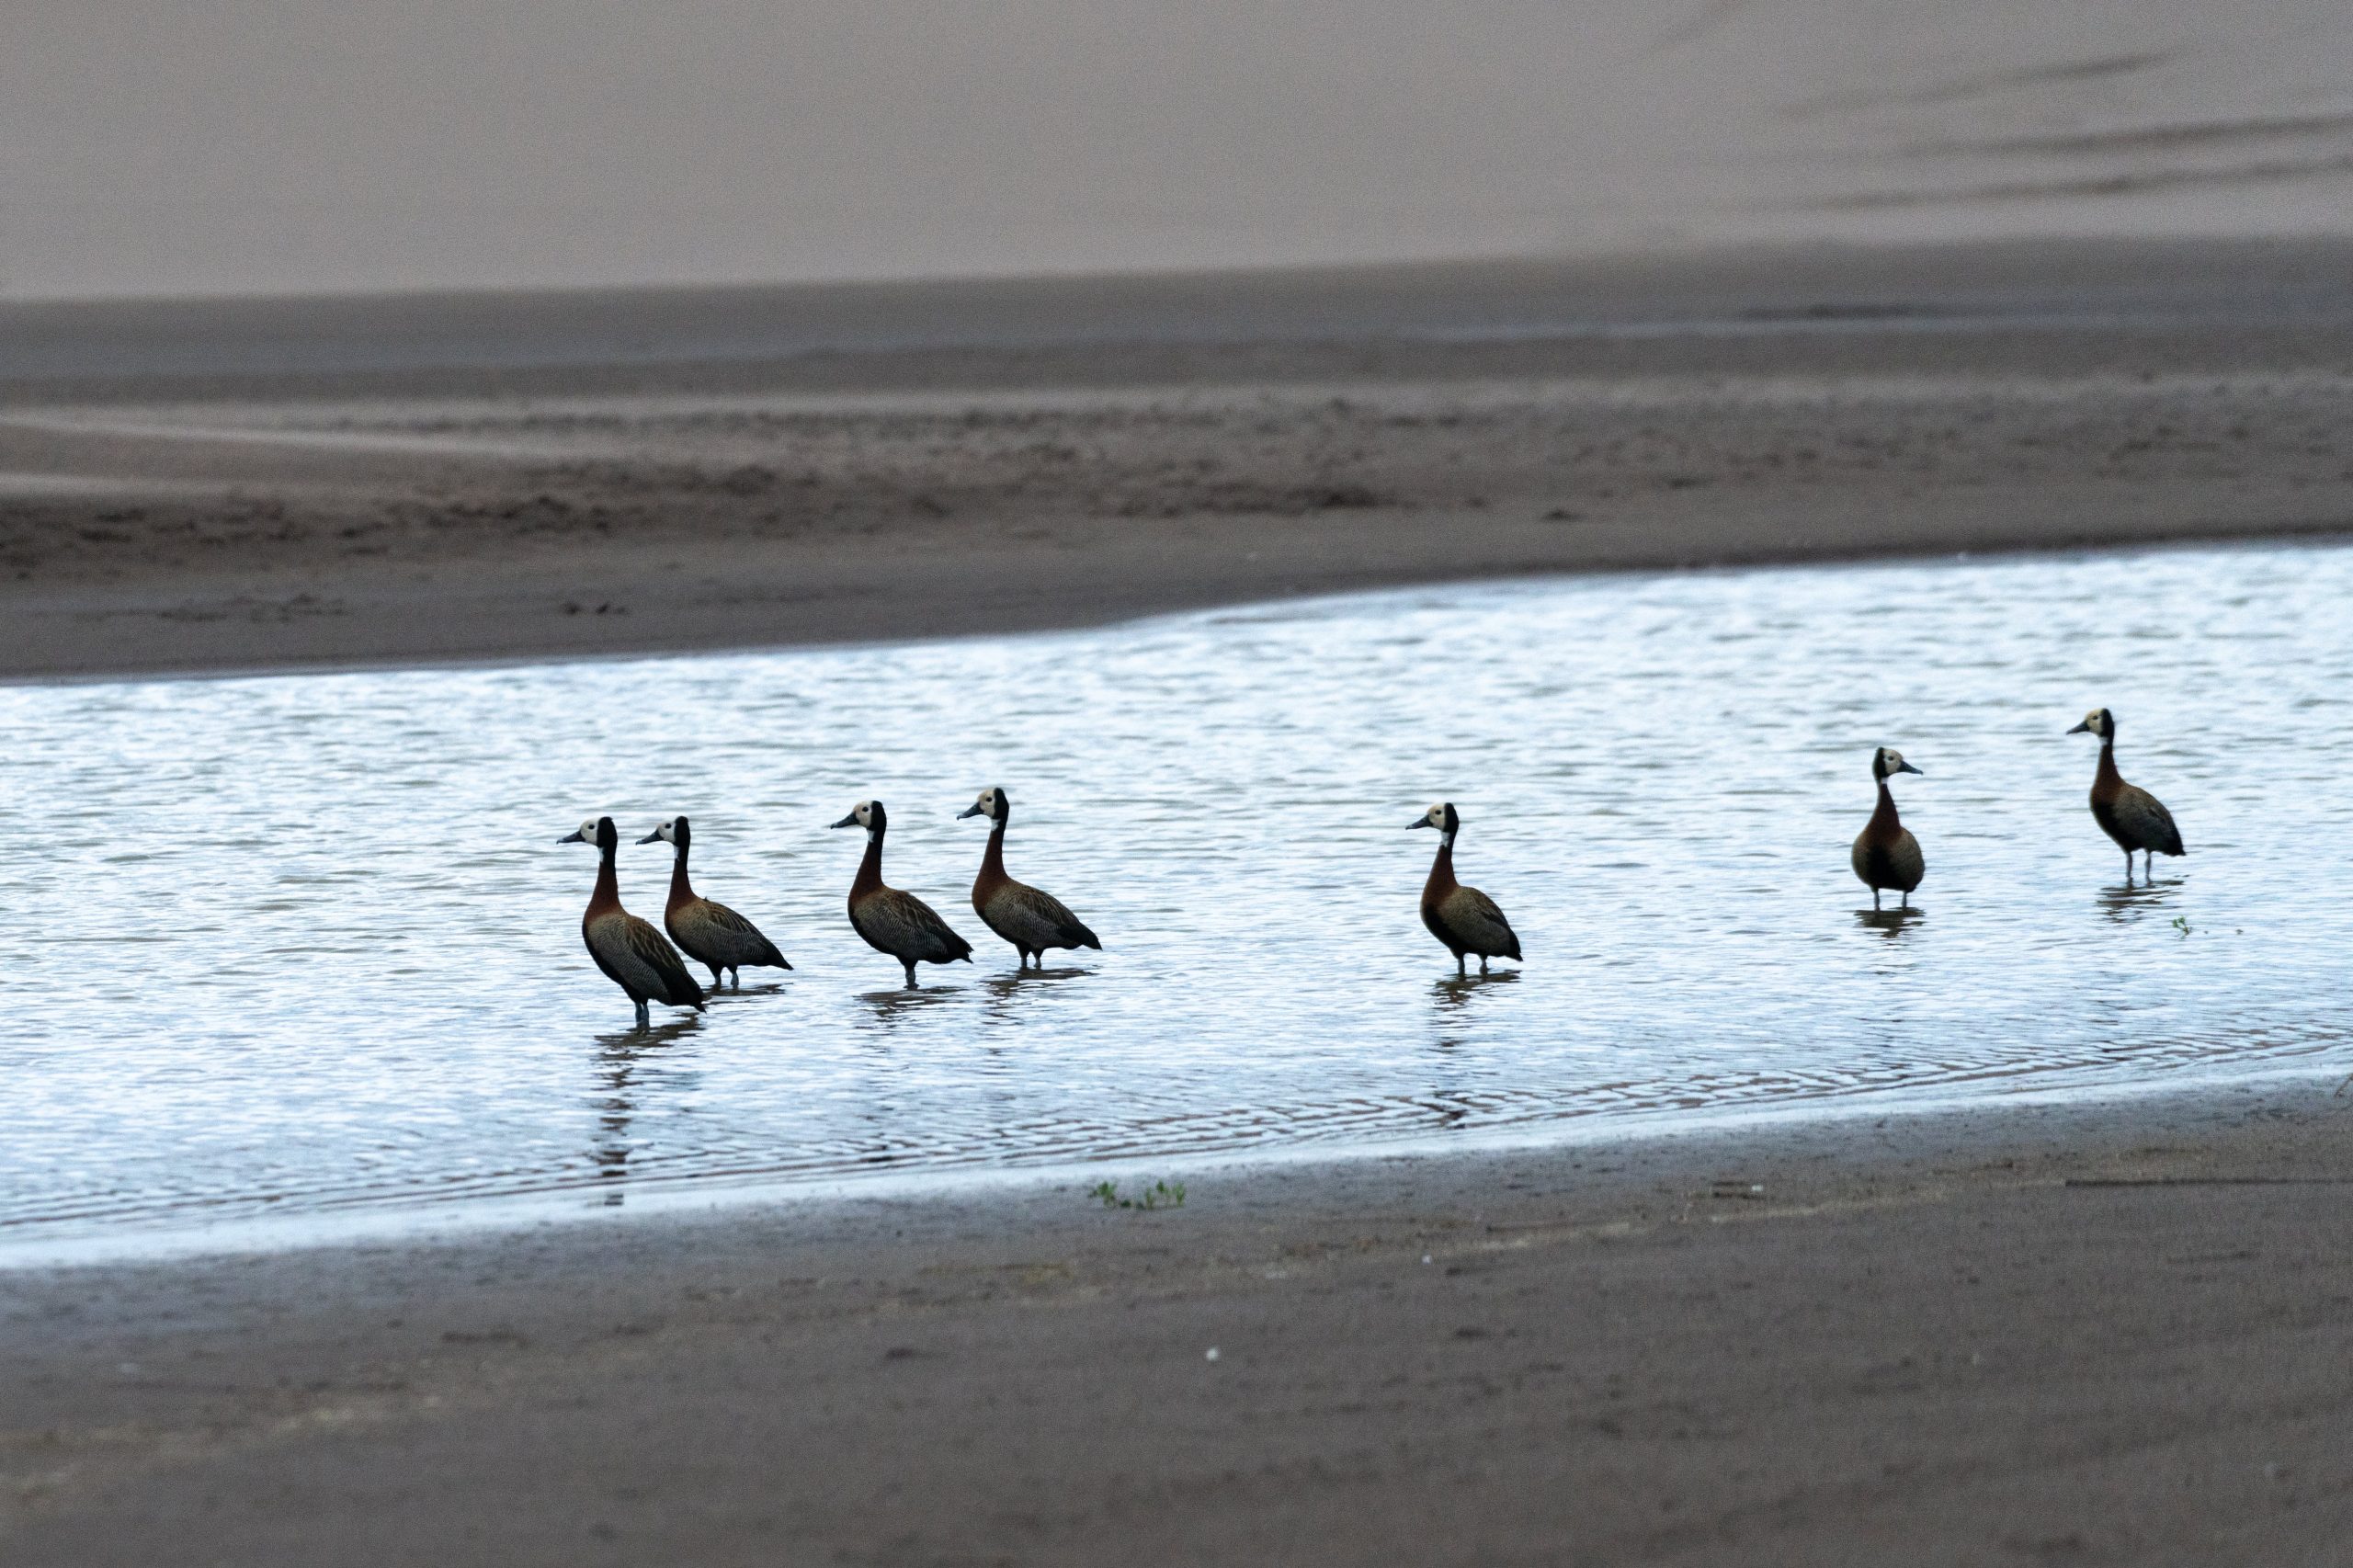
(2100,1333)
(1850,1341)
(248,484)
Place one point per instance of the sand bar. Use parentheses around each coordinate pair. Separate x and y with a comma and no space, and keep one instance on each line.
(2098,1332)
(2113,1331)
(230,485)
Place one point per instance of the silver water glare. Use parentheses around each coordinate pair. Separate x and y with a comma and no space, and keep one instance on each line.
(301,946)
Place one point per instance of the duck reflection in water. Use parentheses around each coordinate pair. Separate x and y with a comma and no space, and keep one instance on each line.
(2134,901)
(1011,984)
(1454,994)
(1889,923)
(890,1007)
(618,1059)
(1450,1008)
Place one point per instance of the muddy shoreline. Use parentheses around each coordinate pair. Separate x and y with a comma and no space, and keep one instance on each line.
(426,479)
(2112,1330)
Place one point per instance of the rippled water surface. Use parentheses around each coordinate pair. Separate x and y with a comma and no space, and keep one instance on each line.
(306,945)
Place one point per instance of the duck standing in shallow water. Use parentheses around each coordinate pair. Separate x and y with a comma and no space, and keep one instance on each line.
(1030,919)
(2126,813)
(892,922)
(633,955)
(1886,854)
(1465,919)
(711,933)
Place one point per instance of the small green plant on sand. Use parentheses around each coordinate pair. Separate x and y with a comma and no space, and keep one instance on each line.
(1159,1195)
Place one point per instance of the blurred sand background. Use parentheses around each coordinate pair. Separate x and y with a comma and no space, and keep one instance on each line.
(226,484)
(276,146)
(437,331)
(445,331)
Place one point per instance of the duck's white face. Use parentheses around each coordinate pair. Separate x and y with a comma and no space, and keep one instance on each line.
(988,803)
(668,832)
(589,832)
(2096,720)
(864,814)
(1891,761)
(1436,816)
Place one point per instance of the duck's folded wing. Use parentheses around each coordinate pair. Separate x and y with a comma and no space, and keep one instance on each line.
(909,927)
(1904,858)
(2147,817)
(724,932)
(1045,920)
(1476,916)
(652,950)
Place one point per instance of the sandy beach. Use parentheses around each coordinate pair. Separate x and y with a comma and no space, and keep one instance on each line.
(245,484)
(2023,1333)
(2105,1332)
(436,335)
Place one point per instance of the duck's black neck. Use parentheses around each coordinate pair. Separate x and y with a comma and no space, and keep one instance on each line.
(607,895)
(1442,865)
(1883,815)
(869,870)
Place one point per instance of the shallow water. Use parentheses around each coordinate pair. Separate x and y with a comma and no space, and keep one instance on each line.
(305,946)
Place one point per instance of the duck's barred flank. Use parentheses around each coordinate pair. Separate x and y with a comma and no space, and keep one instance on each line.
(891,921)
(1886,856)
(1031,918)
(709,933)
(630,953)
(2129,814)
(1463,919)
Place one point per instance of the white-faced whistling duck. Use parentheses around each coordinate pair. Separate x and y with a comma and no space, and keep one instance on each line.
(1465,919)
(633,955)
(711,933)
(1030,919)
(893,922)
(1886,854)
(2126,813)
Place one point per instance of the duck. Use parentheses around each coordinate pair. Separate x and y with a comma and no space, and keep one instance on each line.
(633,955)
(2126,813)
(1465,919)
(893,922)
(1885,853)
(1030,918)
(711,933)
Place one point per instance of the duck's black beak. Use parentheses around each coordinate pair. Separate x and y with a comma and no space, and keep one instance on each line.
(850,821)
(2080,728)
(571,837)
(651,837)
(971,810)
(1419,822)
(1907,768)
